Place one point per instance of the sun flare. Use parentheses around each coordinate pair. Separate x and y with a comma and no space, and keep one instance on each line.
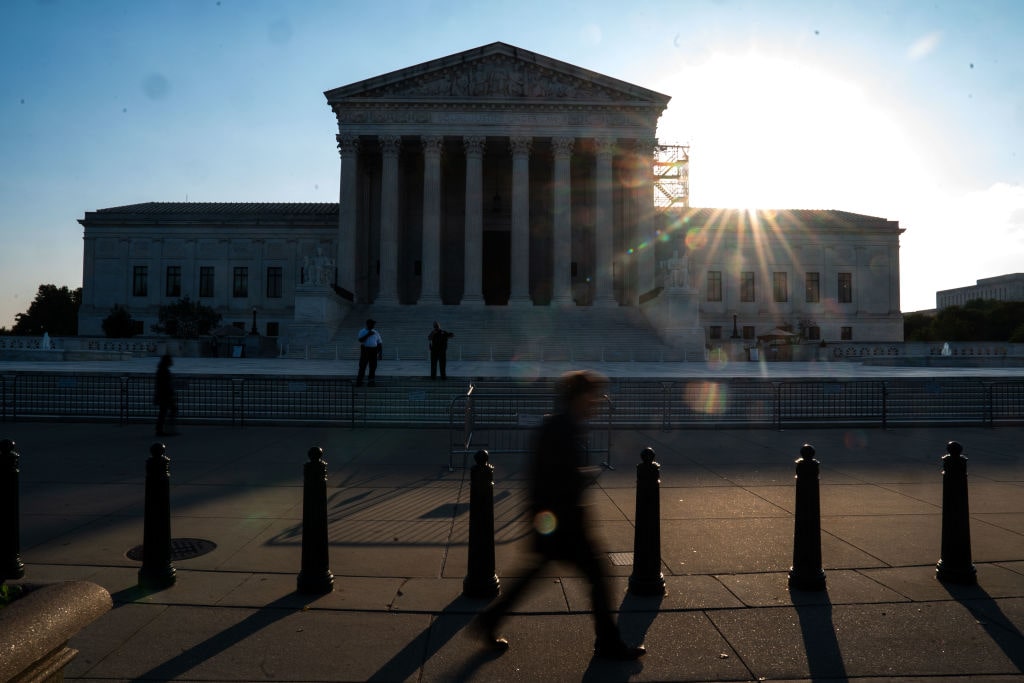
(769,131)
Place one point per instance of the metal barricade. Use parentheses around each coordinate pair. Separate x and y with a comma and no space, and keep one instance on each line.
(504,424)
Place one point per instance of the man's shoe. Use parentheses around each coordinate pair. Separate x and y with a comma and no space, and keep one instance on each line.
(485,632)
(620,651)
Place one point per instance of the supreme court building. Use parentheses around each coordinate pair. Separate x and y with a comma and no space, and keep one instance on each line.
(497,177)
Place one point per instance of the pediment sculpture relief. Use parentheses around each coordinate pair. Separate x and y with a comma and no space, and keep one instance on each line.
(498,77)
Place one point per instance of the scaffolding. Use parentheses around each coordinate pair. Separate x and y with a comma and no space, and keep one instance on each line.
(671,171)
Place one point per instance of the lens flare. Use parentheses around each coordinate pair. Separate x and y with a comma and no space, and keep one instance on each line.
(855,440)
(696,238)
(545,522)
(706,397)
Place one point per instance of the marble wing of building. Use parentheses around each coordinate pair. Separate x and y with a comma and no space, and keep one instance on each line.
(498,178)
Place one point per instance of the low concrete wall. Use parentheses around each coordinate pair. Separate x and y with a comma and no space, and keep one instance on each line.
(35,629)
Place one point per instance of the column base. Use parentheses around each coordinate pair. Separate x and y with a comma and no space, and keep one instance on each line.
(428,300)
(520,301)
(608,302)
(386,301)
(562,301)
(472,301)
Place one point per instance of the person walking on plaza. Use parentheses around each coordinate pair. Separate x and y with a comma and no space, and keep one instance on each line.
(371,349)
(561,528)
(164,398)
(437,340)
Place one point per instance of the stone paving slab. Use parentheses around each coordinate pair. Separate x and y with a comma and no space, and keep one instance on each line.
(398,533)
(837,641)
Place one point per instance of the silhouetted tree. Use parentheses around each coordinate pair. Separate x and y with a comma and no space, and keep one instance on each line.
(54,310)
(186,319)
(917,327)
(978,320)
(119,324)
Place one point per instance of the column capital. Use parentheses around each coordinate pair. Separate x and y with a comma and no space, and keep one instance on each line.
(520,144)
(347,143)
(390,144)
(606,146)
(432,144)
(474,144)
(562,146)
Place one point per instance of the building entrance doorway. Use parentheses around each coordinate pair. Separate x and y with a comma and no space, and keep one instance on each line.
(497,268)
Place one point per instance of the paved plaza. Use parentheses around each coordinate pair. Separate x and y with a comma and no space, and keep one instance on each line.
(398,529)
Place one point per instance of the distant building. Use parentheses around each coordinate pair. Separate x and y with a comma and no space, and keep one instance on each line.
(498,177)
(999,288)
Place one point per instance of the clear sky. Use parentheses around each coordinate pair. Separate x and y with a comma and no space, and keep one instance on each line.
(911,110)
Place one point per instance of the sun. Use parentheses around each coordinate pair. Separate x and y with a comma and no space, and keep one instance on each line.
(769,131)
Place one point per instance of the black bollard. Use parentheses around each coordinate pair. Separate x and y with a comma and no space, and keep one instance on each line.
(955,564)
(806,573)
(315,576)
(11,566)
(157,571)
(481,580)
(647,578)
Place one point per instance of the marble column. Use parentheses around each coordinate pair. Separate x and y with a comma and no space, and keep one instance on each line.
(604,291)
(520,238)
(473,288)
(562,242)
(430,292)
(646,268)
(390,145)
(348,148)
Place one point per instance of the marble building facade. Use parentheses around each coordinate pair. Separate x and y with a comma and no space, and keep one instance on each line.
(492,177)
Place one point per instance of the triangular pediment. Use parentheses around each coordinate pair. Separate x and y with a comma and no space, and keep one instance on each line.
(497,72)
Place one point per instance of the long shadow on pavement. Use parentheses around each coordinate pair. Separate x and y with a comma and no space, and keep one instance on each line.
(824,658)
(636,614)
(997,625)
(414,655)
(228,638)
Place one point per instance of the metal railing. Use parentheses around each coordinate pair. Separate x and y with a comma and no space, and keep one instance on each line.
(503,423)
(665,404)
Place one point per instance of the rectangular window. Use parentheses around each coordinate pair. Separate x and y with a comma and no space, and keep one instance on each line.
(275,278)
(715,332)
(206,281)
(845,288)
(714,285)
(748,331)
(846,333)
(813,287)
(813,333)
(140,281)
(273,329)
(780,287)
(173,281)
(747,286)
(240,288)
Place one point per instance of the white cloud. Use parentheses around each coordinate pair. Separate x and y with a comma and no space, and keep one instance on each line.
(924,46)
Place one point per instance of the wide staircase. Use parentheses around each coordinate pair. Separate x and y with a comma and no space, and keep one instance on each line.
(501,333)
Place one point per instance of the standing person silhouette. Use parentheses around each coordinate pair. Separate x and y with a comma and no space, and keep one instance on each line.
(165,398)
(371,349)
(561,528)
(437,340)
